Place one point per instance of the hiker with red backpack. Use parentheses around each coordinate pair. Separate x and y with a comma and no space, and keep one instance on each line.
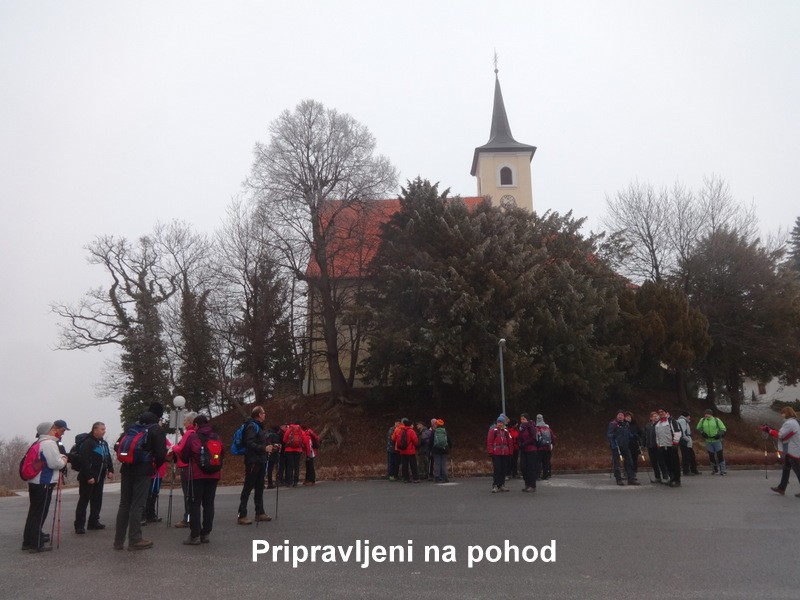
(140,449)
(311,445)
(183,466)
(405,442)
(293,444)
(41,467)
(500,447)
(203,453)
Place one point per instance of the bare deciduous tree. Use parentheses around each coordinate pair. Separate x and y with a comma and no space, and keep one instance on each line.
(318,167)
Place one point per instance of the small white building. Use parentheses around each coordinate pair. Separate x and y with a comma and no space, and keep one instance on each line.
(760,392)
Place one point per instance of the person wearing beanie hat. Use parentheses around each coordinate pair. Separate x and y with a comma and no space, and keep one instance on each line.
(528,445)
(405,434)
(440,444)
(499,446)
(546,437)
(135,477)
(424,458)
(619,435)
(713,430)
(157,409)
(40,487)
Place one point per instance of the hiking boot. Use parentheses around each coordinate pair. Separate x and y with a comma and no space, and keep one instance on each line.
(658,480)
(140,545)
(634,482)
(154,519)
(119,546)
(495,489)
(263,518)
(779,490)
(674,484)
(80,530)
(244,521)
(723,472)
(41,548)
(181,525)
(95,526)
(797,495)
(271,486)
(45,537)
(503,488)
(620,482)
(204,539)
(392,478)
(192,541)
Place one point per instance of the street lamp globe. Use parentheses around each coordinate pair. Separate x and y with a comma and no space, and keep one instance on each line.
(179,402)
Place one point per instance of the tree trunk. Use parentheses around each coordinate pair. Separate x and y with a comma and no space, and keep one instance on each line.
(734,392)
(683,397)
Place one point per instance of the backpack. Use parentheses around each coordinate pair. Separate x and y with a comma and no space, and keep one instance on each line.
(402,442)
(210,454)
(543,437)
(295,439)
(237,446)
(440,439)
(315,441)
(130,447)
(31,464)
(74,457)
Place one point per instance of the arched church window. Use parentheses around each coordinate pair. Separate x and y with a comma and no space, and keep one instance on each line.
(506,177)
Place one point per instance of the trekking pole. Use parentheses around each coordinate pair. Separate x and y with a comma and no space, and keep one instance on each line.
(171,488)
(277,491)
(58,510)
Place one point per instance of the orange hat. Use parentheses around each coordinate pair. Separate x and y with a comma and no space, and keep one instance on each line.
(439,422)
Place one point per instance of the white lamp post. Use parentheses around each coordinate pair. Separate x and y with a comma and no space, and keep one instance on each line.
(500,345)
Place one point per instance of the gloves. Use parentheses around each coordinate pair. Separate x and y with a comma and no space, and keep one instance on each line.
(765,428)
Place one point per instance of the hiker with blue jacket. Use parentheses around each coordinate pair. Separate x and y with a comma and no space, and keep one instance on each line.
(256,453)
(619,437)
(96,467)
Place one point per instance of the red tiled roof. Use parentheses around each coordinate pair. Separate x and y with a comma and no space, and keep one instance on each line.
(355,236)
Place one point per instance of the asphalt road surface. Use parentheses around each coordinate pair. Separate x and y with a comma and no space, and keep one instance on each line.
(715,537)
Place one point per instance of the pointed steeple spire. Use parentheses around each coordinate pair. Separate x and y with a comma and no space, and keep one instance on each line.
(500,138)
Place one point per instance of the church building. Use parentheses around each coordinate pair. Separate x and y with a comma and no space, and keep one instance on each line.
(502,168)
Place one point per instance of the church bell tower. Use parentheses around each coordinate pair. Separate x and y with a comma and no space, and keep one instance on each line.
(502,166)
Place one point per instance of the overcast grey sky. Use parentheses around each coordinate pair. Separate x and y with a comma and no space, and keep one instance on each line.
(114,116)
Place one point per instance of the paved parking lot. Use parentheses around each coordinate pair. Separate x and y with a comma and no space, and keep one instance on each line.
(716,537)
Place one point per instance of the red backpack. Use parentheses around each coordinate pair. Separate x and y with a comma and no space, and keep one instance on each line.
(295,439)
(31,464)
(210,454)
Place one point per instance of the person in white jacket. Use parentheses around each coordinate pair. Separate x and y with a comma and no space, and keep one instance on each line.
(40,488)
(789,435)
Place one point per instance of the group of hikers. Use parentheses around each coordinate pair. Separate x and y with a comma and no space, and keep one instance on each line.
(417,451)
(420,452)
(663,437)
(144,452)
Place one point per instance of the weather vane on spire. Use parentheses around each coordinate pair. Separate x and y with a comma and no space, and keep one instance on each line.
(495,61)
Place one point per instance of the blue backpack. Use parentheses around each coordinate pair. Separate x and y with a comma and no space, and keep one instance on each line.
(131,446)
(237,447)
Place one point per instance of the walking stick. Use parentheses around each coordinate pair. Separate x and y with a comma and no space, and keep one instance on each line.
(277,492)
(171,488)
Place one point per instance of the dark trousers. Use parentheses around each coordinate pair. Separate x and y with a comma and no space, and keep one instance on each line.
(39,498)
(253,482)
(513,465)
(409,462)
(202,497)
(89,495)
(656,461)
(670,457)
(133,493)
(292,468)
(185,488)
(544,463)
(499,466)
(627,461)
(311,472)
(530,467)
(688,460)
(393,463)
(789,464)
(424,464)
(151,505)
